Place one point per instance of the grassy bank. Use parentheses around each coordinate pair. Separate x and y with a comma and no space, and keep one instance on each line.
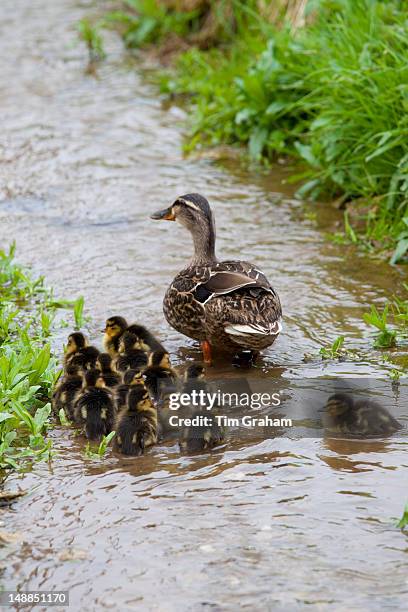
(27,369)
(332,94)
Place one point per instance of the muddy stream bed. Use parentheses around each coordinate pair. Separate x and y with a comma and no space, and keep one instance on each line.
(260,523)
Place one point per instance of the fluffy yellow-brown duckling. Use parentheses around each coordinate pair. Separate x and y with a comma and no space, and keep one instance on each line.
(146,340)
(114,328)
(104,365)
(201,436)
(361,418)
(136,425)
(160,378)
(160,359)
(76,341)
(86,358)
(131,378)
(66,391)
(203,433)
(94,407)
(192,376)
(129,356)
(161,381)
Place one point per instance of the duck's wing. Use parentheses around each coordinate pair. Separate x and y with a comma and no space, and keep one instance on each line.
(227,277)
(239,295)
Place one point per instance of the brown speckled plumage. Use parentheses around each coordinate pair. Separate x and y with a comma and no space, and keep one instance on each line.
(230,304)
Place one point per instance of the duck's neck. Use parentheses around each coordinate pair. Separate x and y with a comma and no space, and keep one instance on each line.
(204,245)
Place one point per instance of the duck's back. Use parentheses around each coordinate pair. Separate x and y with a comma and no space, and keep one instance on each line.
(230,303)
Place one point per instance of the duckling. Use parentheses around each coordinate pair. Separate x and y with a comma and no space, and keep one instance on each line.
(104,365)
(199,437)
(94,406)
(147,340)
(129,355)
(115,326)
(160,359)
(66,391)
(85,358)
(192,376)
(204,432)
(136,425)
(194,371)
(159,375)
(130,379)
(358,418)
(76,341)
(161,381)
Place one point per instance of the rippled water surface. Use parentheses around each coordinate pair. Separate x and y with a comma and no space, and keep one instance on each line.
(257,524)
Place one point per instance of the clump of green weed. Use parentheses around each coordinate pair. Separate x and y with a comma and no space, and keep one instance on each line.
(101,449)
(91,36)
(28,371)
(403,522)
(385,337)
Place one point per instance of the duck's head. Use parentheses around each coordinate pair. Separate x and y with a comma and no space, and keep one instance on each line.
(193,212)
(114,327)
(159,359)
(73,369)
(104,362)
(76,342)
(194,371)
(93,378)
(128,342)
(339,404)
(133,377)
(138,398)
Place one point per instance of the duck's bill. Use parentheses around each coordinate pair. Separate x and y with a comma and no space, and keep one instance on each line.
(167,214)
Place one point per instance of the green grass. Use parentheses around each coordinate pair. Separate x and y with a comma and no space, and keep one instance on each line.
(390,324)
(403,522)
(93,40)
(335,350)
(92,452)
(28,371)
(333,95)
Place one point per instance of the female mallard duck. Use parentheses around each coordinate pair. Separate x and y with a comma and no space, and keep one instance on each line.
(230,305)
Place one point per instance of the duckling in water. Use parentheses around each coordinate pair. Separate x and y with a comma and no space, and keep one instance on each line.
(104,365)
(363,418)
(146,339)
(76,341)
(85,358)
(129,355)
(160,359)
(197,436)
(94,406)
(192,375)
(79,352)
(114,328)
(66,391)
(160,378)
(136,425)
(131,378)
